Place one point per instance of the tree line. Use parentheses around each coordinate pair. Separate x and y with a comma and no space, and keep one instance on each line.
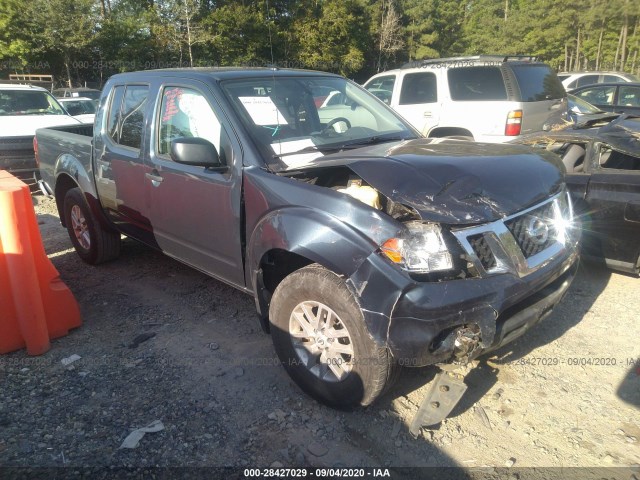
(89,40)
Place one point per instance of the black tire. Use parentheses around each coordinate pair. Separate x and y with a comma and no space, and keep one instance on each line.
(372,368)
(97,245)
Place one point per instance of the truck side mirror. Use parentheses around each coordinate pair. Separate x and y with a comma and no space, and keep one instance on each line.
(196,151)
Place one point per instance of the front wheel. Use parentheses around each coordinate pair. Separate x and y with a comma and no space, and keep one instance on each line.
(319,335)
(93,243)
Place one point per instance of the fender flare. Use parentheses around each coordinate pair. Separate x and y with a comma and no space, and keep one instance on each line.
(322,238)
(66,165)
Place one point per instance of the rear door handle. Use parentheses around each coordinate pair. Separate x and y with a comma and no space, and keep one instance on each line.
(155,177)
(427,114)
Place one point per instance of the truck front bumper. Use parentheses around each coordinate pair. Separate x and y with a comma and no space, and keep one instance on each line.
(418,321)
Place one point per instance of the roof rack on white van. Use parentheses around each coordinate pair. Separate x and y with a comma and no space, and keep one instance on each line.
(469,60)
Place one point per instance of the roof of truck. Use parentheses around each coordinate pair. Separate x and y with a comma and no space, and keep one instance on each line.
(224,73)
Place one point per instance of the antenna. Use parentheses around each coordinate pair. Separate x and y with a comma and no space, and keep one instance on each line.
(273,63)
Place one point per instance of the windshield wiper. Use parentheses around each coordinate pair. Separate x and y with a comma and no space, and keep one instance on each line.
(372,141)
(345,146)
(309,149)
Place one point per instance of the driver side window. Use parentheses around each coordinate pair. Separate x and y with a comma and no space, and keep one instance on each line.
(186,113)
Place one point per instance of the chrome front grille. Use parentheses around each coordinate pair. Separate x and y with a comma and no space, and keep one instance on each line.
(523,242)
(483,251)
(534,231)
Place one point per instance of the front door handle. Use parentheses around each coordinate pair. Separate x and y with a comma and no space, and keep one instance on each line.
(427,114)
(155,177)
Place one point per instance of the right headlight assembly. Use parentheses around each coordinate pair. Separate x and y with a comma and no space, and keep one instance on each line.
(421,249)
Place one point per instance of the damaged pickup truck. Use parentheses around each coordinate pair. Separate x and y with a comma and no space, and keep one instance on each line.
(364,245)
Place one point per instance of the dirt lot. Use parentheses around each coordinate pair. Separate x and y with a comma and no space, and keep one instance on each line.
(565,395)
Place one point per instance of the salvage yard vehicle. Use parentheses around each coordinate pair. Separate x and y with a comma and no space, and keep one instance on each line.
(364,245)
(487,98)
(23,109)
(612,97)
(81,108)
(602,159)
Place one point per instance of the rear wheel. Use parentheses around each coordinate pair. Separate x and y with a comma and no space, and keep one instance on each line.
(319,335)
(92,242)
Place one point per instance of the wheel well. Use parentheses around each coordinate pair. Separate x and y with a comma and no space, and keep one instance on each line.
(450,132)
(275,265)
(64,183)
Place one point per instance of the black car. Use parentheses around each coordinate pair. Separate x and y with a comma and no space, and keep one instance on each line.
(611,97)
(603,175)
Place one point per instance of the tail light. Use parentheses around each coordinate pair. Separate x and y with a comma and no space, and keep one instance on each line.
(35,151)
(514,123)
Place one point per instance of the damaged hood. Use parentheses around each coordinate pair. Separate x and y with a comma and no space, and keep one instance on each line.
(456,182)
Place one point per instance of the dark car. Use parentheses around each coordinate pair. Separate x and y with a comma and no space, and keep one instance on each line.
(611,97)
(603,175)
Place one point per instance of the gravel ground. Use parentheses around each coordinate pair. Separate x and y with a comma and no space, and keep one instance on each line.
(160,341)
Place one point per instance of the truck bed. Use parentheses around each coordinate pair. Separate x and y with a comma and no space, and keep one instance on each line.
(72,141)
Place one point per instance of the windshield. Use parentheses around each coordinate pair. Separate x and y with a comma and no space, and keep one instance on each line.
(578,105)
(28,102)
(294,120)
(79,107)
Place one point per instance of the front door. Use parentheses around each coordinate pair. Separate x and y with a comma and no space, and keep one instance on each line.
(614,198)
(195,213)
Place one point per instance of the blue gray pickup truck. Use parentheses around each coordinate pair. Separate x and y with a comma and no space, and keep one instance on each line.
(365,246)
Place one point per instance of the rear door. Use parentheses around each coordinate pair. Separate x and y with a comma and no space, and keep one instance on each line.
(614,198)
(119,152)
(195,212)
(418,100)
(479,102)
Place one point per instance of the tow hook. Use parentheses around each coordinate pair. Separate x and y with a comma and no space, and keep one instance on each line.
(445,392)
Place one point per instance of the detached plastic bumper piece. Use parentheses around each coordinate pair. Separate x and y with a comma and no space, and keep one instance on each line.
(445,392)
(35,305)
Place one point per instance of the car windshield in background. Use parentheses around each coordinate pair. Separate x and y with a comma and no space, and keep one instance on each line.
(293,120)
(79,107)
(578,105)
(25,102)
(538,82)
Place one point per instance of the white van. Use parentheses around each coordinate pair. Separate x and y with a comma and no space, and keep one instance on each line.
(486,98)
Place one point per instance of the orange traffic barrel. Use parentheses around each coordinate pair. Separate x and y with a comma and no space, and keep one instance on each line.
(35,305)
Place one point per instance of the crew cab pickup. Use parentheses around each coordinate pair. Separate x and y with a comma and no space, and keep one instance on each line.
(364,245)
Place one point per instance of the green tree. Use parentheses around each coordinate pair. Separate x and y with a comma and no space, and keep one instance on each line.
(335,38)
(63,27)
(16,44)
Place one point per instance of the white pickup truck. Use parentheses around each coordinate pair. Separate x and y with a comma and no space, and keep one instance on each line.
(24,109)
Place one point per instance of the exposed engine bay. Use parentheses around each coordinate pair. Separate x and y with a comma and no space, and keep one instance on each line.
(344,180)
